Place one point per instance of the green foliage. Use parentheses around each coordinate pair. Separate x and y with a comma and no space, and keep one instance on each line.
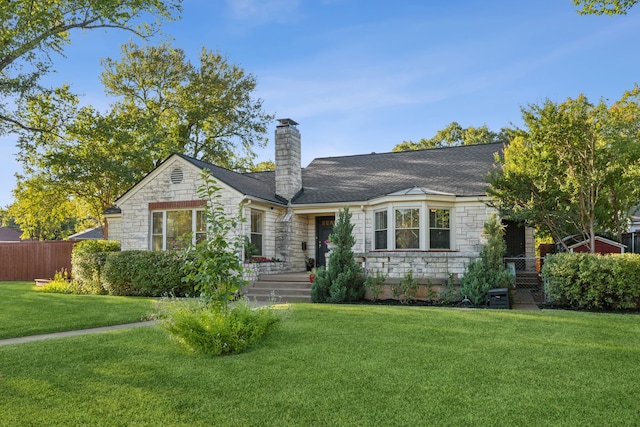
(44,211)
(249,249)
(165,105)
(343,281)
(375,284)
(604,7)
(32,32)
(144,273)
(448,292)
(206,111)
(488,271)
(87,260)
(60,284)
(455,135)
(213,266)
(406,290)
(593,281)
(216,329)
(575,170)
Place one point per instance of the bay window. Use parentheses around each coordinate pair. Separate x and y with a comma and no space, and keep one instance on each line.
(407,228)
(381,230)
(439,229)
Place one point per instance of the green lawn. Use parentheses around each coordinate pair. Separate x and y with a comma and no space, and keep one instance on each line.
(26,311)
(341,365)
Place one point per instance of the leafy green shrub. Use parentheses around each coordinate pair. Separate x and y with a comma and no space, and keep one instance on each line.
(343,281)
(216,329)
(488,271)
(144,273)
(448,292)
(593,281)
(212,266)
(406,290)
(60,284)
(87,259)
(375,284)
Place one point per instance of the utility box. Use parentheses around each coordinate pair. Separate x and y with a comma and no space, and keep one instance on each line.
(499,298)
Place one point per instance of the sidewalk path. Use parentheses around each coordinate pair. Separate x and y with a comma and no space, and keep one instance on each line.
(30,338)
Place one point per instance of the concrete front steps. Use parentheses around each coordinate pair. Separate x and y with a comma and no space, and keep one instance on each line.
(286,287)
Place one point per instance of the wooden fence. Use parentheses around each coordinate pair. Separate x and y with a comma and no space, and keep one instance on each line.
(34,260)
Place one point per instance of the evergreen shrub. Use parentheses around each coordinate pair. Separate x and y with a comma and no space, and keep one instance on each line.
(488,271)
(343,281)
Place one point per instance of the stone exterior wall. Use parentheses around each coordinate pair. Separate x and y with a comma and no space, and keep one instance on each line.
(133,229)
(255,269)
(424,264)
(288,159)
(467,222)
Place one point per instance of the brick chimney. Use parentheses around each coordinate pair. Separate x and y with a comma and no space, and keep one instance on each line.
(288,159)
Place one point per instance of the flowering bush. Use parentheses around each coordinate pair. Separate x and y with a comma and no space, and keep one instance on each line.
(260,259)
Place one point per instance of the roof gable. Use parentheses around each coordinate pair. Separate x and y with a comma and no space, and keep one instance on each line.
(261,185)
(9,235)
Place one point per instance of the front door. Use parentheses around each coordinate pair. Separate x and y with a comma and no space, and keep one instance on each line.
(514,238)
(324,227)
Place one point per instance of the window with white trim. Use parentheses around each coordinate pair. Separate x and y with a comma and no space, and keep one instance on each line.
(175,229)
(381,228)
(256,230)
(407,228)
(439,229)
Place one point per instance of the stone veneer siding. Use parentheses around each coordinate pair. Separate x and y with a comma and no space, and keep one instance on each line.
(255,269)
(424,264)
(133,227)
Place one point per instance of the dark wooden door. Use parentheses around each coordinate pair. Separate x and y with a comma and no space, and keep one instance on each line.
(324,227)
(514,238)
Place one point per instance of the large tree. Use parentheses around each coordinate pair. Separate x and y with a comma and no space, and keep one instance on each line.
(455,135)
(165,104)
(575,169)
(46,213)
(206,111)
(604,7)
(33,30)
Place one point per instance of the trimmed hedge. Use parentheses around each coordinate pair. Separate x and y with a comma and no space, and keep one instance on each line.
(145,273)
(87,260)
(592,281)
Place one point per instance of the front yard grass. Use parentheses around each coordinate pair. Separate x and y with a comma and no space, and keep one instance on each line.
(26,311)
(341,365)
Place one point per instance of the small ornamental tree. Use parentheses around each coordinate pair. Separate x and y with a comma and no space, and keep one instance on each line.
(213,265)
(488,271)
(210,324)
(343,281)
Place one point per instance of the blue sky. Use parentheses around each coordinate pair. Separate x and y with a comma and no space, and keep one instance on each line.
(362,76)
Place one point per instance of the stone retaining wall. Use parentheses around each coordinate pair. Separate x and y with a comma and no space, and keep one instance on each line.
(255,269)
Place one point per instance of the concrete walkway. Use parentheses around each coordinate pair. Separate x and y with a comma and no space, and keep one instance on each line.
(30,338)
(523,300)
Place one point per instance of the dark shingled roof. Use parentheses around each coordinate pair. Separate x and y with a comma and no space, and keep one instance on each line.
(95,233)
(9,235)
(257,184)
(460,171)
